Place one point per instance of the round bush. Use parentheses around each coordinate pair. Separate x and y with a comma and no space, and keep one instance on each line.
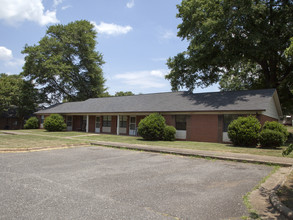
(169,133)
(32,123)
(54,122)
(244,131)
(276,126)
(271,138)
(152,127)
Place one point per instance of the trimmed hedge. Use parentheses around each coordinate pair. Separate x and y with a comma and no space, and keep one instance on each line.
(276,126)
(271,138)
(153,127)
(244,131)
(32,123)
(54,122)
(169,133)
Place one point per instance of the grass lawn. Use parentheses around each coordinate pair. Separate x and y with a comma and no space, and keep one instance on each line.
(37,138)
(187,145)
(42,138)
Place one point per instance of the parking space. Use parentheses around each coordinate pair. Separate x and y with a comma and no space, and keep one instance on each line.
(106,183)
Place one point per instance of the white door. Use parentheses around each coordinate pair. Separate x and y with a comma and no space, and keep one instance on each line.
(98,124)
(69,123)
(132,126)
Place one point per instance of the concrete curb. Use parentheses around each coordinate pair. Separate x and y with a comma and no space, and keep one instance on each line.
(187,152)
(277,204)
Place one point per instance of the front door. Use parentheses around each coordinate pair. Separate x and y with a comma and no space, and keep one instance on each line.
(132,126)
(69,123)
(98,124)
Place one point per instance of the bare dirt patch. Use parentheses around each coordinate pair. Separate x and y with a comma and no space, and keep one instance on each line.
(285,193)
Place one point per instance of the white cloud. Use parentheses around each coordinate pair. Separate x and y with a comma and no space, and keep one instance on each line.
(56,3)
(5,54)
(66,7)
(111,29)
(15,11)
(15,62)
(168,34)
(144,79)
(130,4)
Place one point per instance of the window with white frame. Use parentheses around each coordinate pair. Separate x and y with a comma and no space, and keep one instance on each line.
(69,121)
(180,122)
(107,121)
(122,121)
(42,119)
(98,121)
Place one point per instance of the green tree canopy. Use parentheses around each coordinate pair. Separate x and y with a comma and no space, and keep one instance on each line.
(121,93)
(239,44)
(18,94)
(65,65)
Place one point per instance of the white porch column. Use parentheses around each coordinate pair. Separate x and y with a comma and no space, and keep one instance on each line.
(87,124)
(118,124)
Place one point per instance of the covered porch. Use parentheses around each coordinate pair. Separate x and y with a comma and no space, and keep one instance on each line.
(107,124)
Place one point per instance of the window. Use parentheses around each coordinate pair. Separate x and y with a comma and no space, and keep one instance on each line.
(227,120)
(107,121)
(122,121)
(98,121)
(132,123)
(42,119)
(69,121)
(180,121)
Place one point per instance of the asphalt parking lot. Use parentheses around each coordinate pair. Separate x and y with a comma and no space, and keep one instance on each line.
(105,183)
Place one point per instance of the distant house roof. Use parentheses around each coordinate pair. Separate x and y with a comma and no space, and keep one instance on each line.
(246,100)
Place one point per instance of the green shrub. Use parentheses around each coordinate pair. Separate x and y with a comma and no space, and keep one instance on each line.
(276,126)
(32,123)
(244,131)
(152,127)
(54,122)
(169,133)
(271,138)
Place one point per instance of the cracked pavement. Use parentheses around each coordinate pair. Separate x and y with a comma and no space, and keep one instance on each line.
(106,183)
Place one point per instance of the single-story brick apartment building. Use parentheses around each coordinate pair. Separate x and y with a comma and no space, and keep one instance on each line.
(196,116)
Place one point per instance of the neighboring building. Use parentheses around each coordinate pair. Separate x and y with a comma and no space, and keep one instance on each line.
(197,117)
(9,120)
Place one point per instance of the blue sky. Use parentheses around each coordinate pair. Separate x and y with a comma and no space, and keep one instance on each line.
(135,37)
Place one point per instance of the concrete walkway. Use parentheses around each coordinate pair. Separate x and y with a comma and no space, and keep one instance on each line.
(281,161)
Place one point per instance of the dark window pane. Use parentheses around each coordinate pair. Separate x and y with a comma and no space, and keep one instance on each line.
(180,122)
(123,121)
(107,121)
(227,120)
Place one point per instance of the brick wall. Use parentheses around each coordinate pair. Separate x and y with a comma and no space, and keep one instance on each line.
(77,121)
(202,128)
(264,118)
(170,120)
(114,125)
(92,123)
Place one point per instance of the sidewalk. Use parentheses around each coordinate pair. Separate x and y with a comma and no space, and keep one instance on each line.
(280,161)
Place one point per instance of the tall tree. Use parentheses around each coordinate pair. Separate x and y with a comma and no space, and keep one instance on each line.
(239,43)
(19,95)
(65,65)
